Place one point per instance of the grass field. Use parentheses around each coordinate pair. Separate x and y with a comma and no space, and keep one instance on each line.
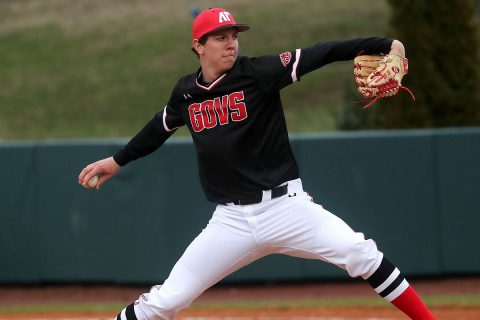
(448,298)
(311,309)
(459,300)
(93,68)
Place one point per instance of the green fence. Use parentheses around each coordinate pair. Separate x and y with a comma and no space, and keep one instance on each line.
(415,192)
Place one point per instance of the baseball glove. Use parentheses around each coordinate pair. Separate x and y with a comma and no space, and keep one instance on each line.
(380,76)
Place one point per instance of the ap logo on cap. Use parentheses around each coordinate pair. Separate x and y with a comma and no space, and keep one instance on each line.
(223,16)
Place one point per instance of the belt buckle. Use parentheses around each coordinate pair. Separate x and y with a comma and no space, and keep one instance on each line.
(258,198)
(279,191)
(274,193)
(245,202)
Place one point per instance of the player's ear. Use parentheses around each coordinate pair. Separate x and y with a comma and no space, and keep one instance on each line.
(197,46)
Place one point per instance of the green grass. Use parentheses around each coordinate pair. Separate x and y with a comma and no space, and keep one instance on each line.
(465,301)
(102,68)
(64,308)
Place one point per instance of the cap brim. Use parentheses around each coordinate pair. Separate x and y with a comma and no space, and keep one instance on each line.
(239,27)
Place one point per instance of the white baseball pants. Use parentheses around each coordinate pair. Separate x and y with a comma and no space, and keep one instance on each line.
(238,235)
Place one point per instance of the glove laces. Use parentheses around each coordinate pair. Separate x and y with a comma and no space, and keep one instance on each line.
(388,89)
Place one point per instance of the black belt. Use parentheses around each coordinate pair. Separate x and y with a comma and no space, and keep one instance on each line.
(257,197)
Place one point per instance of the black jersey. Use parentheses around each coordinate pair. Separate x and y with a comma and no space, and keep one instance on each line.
(237,121)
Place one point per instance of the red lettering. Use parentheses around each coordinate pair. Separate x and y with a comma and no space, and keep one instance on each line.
(239,110)
(196,117)
(222,109)
(208,113)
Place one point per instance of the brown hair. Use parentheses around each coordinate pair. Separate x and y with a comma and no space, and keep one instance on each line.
(202,41)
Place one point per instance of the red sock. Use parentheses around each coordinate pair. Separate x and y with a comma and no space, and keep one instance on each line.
(409,302)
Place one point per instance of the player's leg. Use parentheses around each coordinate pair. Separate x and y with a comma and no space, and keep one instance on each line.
(361,257)
(224,246)
(320,234)
(390,284)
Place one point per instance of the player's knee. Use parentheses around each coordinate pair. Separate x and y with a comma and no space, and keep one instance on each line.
(362,258)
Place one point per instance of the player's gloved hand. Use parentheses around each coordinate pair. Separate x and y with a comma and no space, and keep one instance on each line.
(378,76)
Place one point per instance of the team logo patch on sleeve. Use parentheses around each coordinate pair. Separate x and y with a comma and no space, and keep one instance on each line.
(285,58)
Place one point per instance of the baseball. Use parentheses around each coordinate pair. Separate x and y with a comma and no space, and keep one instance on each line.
(92,183)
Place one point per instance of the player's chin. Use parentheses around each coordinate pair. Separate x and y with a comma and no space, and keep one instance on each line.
(227,65)
(229,59)
(230,65)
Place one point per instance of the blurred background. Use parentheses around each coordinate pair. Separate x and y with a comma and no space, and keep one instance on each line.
(76,69)
(78,78)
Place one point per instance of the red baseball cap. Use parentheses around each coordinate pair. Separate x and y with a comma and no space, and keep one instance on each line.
(214,19)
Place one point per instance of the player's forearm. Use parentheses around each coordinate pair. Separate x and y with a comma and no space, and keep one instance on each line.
(147,140)
(330,51)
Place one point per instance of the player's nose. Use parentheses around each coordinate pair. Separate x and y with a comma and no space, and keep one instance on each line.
(231,42)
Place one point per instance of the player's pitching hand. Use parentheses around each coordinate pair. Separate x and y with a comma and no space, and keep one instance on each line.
(104,169)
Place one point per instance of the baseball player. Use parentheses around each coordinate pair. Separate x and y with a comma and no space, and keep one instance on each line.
(232,108)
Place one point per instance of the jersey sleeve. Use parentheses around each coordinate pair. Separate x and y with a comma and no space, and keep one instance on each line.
(275,72)
(152,136)
(327,52)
